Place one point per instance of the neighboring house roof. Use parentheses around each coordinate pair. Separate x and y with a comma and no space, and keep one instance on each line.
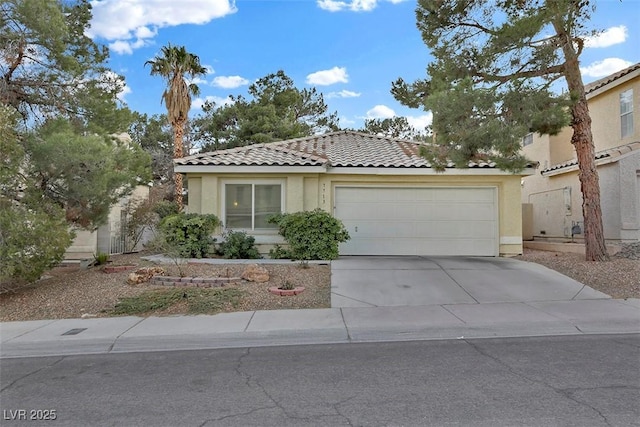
(615,77)
(610,155)
(336,149)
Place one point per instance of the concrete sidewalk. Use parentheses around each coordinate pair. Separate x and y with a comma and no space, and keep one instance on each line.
(319,326)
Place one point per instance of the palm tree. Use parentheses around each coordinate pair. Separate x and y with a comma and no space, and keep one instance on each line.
(173,64)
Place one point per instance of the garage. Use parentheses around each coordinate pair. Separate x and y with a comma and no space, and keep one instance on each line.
(418,220)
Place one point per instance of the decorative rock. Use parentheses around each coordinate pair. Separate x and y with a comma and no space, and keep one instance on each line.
(144,274)
(255,273)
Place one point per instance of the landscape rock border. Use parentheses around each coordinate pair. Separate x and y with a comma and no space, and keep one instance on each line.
(200,282)
(286,292)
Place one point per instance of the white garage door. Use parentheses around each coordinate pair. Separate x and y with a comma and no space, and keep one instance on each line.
(418,221)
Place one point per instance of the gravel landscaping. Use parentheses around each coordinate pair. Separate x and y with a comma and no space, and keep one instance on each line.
(619,277)
(70,292)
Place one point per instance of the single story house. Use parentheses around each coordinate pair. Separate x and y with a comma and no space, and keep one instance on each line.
(389,197)
(553,195)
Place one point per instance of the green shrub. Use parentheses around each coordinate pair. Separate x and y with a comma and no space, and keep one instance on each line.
(166,208)
(311,234)
(189,234)
(31,242)
(278,252)
(237,245)
(100,258)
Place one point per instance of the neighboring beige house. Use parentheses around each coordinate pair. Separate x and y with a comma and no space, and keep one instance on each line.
(111,237)
(552,195)
(389,198)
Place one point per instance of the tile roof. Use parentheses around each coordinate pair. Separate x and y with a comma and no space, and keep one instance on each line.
(611,154)
(593,86)
(337,149)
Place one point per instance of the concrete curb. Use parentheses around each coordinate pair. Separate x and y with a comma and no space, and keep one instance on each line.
(319,326)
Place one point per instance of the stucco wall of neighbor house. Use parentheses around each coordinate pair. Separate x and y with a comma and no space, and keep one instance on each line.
(560,147)
(605,112)
(629,168)
(610,199)
(619,201)
(89,243)
(557,203)
(618,181)
(538,150)
(83,246)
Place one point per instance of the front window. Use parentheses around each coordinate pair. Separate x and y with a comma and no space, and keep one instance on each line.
(248,206)
(626,113)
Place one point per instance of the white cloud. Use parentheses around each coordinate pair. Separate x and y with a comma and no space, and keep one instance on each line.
(609,37)
(353,5)
(219,101)
(605,67)
(145,32)
(125,47)
(209,69)
(420,122)
(328,77)
(345,121)
(343,94)
(198,81)
(380,112)
(131,24)
(229,82)
(126,90)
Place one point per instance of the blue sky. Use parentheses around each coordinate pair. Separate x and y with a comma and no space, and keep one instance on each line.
(350,50)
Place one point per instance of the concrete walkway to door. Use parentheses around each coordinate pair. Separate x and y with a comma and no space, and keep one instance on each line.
(384,281)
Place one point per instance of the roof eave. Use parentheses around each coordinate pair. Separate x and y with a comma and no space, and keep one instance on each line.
(249,169)
(425,171)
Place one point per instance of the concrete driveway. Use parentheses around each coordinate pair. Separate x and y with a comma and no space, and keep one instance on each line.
(384,281)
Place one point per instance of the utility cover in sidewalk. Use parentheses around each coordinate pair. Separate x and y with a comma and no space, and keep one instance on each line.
(74,331)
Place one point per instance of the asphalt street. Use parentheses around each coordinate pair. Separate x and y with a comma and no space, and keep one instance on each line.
(580,380)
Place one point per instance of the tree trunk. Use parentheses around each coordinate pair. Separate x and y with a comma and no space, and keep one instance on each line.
(178,128)
(582,140)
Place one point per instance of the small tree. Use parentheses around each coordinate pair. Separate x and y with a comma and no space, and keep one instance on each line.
(311,234)
(189,233)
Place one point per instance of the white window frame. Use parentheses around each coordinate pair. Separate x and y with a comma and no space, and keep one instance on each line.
(527,139)
(253,183)
(626,114)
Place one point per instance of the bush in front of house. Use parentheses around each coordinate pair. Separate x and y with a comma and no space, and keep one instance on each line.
(237,245)
(311,234)
(165,208)
(189,233)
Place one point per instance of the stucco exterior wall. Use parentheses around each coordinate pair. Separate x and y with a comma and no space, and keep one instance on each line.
(89,243)
(560,147)
(605,112)
(629,168)
(552,215)
(310,191)
(619,200)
